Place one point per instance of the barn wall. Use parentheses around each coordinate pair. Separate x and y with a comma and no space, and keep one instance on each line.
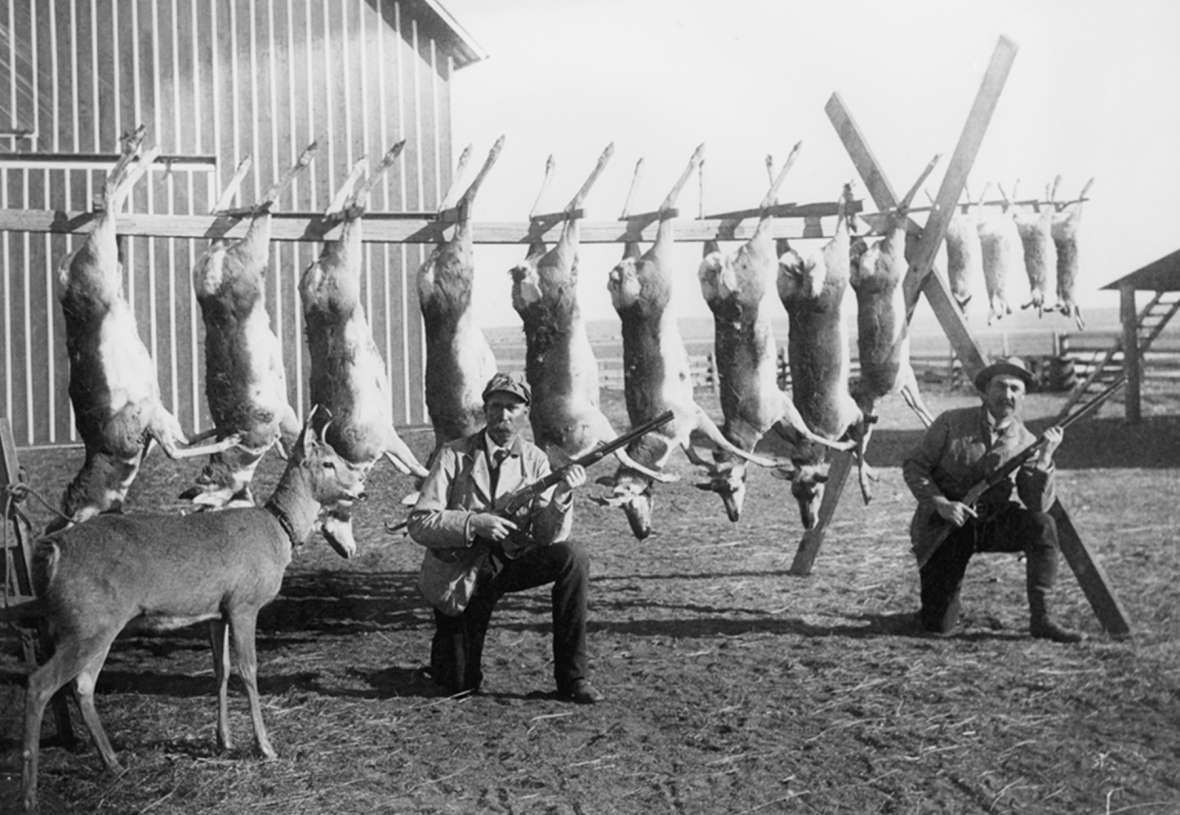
(221,79)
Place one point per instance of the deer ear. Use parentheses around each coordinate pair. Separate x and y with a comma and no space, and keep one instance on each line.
(704,485)
(605,480)
(821,479)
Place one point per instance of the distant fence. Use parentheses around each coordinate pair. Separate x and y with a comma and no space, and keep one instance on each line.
(703,370)
(1087,350)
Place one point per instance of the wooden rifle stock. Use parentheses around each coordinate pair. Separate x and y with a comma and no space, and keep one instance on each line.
(1010,466)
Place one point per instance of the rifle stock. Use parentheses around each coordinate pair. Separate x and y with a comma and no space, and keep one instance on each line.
(1013,464)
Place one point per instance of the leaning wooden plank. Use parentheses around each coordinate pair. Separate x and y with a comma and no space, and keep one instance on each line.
(950,317)
(1091,576)
(813,538)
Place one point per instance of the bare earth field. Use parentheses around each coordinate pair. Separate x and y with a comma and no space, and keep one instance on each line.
(732,686)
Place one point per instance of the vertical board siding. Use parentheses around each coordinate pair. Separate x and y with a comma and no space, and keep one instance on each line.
(227,78)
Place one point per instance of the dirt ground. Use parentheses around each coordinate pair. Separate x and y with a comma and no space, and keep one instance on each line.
(731,685)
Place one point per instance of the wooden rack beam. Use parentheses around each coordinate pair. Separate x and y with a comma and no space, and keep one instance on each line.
(102,161)
(798,221)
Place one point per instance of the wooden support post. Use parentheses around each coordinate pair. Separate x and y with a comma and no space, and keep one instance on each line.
(1131,361)
(1091,576)
(18,554)
(813,538)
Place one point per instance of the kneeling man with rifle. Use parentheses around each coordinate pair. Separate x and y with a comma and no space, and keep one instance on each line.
(495,519)
(963,474)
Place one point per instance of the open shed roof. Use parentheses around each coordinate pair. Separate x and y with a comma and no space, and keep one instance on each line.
(1159,275)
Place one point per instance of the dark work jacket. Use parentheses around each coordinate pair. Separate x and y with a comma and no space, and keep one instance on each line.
(955,454)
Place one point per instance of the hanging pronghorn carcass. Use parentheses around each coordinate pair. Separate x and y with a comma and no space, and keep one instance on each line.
(459,361)
(740,289)
(1066,221)
(245,381)
(656,375)
(560,366)
(964,254)
(348,375)
(1040,253)
(812,288)
(113,385)
(882,337)
(1002,256)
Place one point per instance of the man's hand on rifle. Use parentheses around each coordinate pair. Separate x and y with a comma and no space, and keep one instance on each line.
(1051,440)
(489,526)
(954,511)
(573,476)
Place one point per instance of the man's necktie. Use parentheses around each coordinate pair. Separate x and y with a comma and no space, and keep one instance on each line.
(497,459)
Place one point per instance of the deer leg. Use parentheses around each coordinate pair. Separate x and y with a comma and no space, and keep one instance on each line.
(84,692)
(402,457)
(243,624)
(864,473)
(713,432)
(219,639)
(165,431)
(791,416)
(914,400)
(67,662)
(655,475)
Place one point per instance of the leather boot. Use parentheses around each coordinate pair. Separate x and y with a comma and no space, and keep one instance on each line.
(1041,570)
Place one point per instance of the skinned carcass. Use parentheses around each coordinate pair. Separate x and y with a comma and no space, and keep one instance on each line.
(882,337)
(1040,254)
(813,290)
(113,385)
(964,253)
(245,381)
(656,375)
(560,365)
(739,289)
(1066,221)
(1002,256)
(459,361)
(348,375)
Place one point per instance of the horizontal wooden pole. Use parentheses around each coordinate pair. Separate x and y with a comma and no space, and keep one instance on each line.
(413,227)
(90,161)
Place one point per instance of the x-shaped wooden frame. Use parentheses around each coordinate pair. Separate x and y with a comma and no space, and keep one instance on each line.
(921,279)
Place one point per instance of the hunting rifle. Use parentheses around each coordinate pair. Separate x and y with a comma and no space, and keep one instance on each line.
(515,501)
(1013,464)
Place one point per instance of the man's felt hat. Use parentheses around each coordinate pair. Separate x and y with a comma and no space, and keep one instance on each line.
(508,383)
(1005,366)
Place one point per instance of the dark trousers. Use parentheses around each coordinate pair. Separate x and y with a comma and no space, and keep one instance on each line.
(456,653)
(1010,528)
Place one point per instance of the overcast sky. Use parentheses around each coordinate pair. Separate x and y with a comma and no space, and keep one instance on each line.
(1092,92)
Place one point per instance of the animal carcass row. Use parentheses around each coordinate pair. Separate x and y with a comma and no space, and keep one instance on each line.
(348,375)
(813,289)
(560,366)
(245,381)
(459,361)
(656,375)
(739,289)
(113,385)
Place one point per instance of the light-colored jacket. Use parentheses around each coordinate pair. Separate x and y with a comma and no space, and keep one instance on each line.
(459,485)
(955,454)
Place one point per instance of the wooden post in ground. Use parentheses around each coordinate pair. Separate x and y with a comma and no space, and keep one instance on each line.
(1131,362)
(1091,576)
(18,583)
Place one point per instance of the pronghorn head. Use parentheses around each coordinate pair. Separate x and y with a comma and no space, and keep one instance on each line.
(632,492)
(335,484)
(799,276)
(807,485)
(728,480)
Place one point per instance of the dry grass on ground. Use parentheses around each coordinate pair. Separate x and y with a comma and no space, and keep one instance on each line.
(732,686)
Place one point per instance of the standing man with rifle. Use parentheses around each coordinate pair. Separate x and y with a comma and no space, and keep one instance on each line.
(953,521)
(495,519)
